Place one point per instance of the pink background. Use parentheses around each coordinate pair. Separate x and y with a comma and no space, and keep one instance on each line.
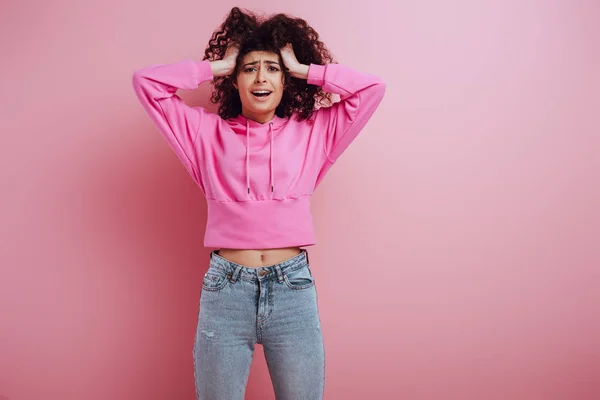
(458,236)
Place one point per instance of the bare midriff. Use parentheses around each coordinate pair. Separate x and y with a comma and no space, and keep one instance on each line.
(259,258)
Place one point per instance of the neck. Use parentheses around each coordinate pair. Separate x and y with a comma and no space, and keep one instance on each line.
(261,118)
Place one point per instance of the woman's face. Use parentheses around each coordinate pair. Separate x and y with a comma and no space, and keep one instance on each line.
(260,82)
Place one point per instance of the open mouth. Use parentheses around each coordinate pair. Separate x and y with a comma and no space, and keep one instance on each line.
(261,93)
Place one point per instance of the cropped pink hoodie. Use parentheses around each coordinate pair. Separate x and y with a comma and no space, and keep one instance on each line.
(257,178)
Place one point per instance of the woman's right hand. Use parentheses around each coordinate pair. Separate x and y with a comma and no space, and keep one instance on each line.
(226,66)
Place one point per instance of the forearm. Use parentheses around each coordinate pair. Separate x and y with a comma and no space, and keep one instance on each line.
(346,82)
(160,81)
(220,68)
(300,71)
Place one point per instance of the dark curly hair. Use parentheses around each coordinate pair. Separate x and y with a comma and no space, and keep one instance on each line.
(251,33)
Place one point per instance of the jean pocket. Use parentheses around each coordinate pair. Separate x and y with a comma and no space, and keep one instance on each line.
(215,280)
(299,279)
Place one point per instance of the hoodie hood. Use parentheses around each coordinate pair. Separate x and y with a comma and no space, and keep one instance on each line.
(261,134)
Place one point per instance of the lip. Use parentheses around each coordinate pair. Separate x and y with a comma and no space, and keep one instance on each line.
(265,98)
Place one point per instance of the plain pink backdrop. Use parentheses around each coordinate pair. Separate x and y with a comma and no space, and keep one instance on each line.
(457,254)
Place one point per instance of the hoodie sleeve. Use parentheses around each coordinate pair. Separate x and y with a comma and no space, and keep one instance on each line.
(360,95)
(156,87)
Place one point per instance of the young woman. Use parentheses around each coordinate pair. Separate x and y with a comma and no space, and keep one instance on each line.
(257,162)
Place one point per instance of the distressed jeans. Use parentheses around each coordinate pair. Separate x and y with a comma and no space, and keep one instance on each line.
(275,306)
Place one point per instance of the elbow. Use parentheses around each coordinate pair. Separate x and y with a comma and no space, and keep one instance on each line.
(376,92)
(136,81)
(140,82)
(137,78)
(379,89)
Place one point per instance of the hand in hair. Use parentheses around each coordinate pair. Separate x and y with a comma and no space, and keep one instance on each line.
(226,66)
(260,33)
(294,67)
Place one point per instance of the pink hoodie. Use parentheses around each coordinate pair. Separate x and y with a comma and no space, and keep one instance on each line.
(257,178)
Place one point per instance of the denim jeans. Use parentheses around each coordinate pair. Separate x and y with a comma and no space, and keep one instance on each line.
(275,306)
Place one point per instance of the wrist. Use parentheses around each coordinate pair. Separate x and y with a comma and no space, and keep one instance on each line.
(300,71)
(221,68)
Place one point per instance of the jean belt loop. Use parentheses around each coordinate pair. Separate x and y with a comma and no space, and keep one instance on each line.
(279,273)
(235,274)
(306,256)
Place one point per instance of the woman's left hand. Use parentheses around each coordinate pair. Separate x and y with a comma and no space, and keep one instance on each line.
(292,64)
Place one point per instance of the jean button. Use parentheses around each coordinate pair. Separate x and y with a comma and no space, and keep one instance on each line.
(262,272)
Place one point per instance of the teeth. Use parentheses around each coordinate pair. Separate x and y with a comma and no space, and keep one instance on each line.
(261,92)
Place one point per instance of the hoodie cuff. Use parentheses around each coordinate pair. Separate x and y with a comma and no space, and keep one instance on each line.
(203,71)
(316,74)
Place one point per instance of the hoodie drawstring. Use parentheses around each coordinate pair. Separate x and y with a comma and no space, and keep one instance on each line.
(248,155)
(271,165)
(272,168)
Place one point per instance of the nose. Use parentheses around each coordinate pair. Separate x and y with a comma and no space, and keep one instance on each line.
(259,76)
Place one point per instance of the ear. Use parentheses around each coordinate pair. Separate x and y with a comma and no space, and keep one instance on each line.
(235,85)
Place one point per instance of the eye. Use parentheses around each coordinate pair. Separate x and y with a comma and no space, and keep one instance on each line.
(273,69)
(249,69)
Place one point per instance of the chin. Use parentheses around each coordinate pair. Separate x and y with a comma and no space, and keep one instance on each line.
(263,110)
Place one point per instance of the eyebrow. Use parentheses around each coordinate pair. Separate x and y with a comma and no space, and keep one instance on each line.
(266,62)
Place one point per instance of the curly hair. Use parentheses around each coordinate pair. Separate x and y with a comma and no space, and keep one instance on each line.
(251,33)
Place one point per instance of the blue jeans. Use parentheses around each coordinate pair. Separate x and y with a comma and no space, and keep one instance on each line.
(275,306)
